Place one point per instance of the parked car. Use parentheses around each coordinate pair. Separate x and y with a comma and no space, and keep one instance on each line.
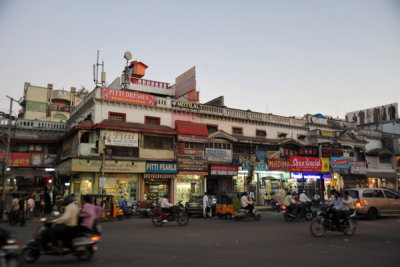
(195,205)
(374,202)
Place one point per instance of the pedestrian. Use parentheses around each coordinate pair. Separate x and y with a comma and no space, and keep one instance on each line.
(31,205)
(266,199)
(252,195)
(206,206)
(21,211)
(47,202)
(14,209)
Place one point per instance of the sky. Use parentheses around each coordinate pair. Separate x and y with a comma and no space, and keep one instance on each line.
(287,57)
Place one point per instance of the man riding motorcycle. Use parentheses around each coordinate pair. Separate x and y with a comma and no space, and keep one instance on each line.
(246,204)
(166,206)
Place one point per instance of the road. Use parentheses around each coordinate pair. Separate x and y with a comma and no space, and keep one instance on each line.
(216,242)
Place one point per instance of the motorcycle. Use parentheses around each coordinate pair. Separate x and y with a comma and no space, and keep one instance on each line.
(83,244)
(9,248)
(177,213)
(300,211)
(328,219)
(243,214)
(145,210)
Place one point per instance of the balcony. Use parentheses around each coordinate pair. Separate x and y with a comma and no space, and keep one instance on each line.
(152,87)
(61,94)
(35,125)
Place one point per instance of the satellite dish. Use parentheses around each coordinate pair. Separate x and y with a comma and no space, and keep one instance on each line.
(128,55)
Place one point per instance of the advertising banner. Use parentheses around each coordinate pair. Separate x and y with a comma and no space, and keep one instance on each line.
(279,165)
(17,159)
(185,106)
(219,155)
(327,133)
(192,163)
(358,167)
(336,150)
(161,167)
(306,164)
(340,163)
(128,96)
(192,138)
(224,170)
(185,82)
(374,115)
(325,150)
(120,166)
(260,167)
(119,138)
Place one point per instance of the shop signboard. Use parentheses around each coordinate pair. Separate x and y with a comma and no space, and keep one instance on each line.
(307,164)
(120,138)
(374,115)
(117,166)
(192,138)
(327,133)
(128,96)
(161,167)
(158,176)
(260,167)
(224,170)
(336,150)
(219,155)
(186,106)
(37,159)
(326,150)
(358,167)
(17,159)
(192,163)
(185,82)
(373,162)
(279,165)
(340,163)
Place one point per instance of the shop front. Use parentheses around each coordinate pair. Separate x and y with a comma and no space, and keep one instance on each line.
(358,175)
(159,180)
(222,178)
(190,180)
(310,174)
(122,186)
(381,174)
(340,169)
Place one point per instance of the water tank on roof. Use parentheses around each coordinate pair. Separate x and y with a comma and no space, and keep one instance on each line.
(137,69)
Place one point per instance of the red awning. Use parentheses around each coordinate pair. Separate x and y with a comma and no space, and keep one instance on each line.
(191,128)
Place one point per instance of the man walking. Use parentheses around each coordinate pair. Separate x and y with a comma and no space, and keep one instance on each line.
(206,206)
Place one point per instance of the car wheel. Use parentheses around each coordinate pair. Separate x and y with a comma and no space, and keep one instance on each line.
(372,214)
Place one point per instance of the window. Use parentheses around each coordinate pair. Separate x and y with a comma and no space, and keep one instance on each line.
(152,120)
(85,138)
(391,195)
(353,193)
(378,194)
(282,135)
(261,133)
(117,116)
(301,137)
(237,130)
(158,142)
(122,151)
(212,128)
(367,193)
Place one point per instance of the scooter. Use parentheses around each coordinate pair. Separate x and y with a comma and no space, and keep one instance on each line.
(83,245)
(301,211)
(243,214)
(9,248)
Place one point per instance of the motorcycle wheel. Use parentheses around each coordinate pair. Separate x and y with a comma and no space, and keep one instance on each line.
(257,217)
(157,220)
(182,219)
(317,229)
(350,228)
(287,217)
(85,255)
(309,216)
(30,254)
(228,216)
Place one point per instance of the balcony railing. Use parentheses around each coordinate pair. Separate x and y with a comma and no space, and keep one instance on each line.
(35,125)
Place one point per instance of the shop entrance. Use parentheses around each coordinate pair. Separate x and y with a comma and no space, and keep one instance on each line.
(156,188)
(212,186)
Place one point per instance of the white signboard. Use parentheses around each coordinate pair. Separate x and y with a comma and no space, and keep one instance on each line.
(219,155)
(102,182)
(120,138)
(374,115)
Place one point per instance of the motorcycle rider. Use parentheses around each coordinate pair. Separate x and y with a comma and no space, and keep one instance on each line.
(246,204)
(89,213)
(166,206)
(289,202)
(339,206)
(65,224)
(304,198)
(349,202)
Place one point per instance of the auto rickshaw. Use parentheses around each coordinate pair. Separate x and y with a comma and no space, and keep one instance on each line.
(225,206)
(111,210)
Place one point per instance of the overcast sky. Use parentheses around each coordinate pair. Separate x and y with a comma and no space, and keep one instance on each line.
(285,57)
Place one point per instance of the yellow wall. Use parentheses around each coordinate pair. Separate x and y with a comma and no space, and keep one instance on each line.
(156,154)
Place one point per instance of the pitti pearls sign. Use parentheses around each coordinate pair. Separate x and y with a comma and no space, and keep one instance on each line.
(161,167)
(119,138)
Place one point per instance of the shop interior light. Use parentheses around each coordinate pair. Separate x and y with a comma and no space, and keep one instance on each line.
(243,171)
(49,169)
(67,184)
(8,169)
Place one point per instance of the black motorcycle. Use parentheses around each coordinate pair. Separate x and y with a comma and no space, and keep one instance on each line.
(83,244)
(295,212)
(9,248)
(332,220)
(145,211)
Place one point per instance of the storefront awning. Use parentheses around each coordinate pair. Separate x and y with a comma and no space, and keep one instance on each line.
(384,175)
(191,128)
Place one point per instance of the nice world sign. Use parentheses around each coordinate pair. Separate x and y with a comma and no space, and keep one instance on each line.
(308,164)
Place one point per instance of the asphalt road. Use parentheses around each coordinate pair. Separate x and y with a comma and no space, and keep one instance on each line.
(216,242)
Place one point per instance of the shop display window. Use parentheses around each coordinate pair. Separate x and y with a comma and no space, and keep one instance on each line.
(155,189)
(186,189)
(239,183)
(121,189)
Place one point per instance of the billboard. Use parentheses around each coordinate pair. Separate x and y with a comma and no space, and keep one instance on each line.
(128,96)
(374,115)
(119,138)
(307,164)
(185,82)
(340,163)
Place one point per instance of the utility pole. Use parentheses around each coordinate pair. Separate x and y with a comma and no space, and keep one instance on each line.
(4,181)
